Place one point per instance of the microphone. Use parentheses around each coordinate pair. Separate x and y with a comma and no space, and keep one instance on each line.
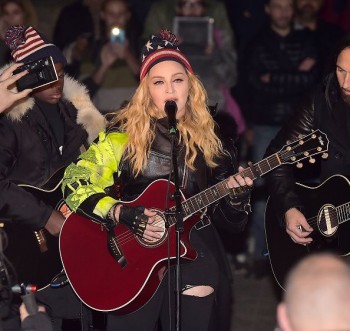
(170,109)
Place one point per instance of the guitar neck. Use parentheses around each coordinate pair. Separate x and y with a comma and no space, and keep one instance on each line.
(343,212)
(221,189)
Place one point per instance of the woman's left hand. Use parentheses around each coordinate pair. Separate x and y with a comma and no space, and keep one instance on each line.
(238,180)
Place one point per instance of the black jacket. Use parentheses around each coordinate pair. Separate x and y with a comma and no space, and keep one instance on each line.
(333,119)
(30,155)
(272,103)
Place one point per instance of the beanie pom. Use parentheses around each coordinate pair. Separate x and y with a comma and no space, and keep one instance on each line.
(168,36)
(15,36)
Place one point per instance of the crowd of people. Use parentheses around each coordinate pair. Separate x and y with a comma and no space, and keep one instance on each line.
(266,73)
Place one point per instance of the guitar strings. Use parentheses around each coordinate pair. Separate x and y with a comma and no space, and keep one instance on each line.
(333,214)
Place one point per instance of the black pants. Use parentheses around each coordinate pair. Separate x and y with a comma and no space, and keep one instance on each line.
(197,313)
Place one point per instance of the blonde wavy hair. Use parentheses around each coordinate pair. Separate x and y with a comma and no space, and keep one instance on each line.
(196,127)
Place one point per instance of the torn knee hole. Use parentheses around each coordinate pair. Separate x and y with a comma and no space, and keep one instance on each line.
(197,291)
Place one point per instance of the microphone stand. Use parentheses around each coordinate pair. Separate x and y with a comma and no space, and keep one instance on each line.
(178,228)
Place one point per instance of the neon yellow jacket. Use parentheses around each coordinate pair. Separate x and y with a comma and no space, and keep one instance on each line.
(93,173)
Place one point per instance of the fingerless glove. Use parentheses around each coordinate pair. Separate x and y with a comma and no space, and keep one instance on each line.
(134,218)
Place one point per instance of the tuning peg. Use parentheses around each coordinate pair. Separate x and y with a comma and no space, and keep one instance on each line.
(299,165)
(324,155)
(312,160)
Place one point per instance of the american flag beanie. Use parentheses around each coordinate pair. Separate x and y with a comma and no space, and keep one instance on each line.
(161,47)
(27,45)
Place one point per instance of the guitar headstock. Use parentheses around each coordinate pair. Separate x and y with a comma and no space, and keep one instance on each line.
(305,147)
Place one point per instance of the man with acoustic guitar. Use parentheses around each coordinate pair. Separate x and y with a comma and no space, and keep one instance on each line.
(39,135)
(327,109)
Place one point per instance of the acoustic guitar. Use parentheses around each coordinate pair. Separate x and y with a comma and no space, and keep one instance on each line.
(124,277)
(327,209)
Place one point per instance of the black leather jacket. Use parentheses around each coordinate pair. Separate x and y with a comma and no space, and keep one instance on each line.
(127,187)
(191,182)
(331,118)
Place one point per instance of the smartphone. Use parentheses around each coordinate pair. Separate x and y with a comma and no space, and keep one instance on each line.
(117,35)
(40,73)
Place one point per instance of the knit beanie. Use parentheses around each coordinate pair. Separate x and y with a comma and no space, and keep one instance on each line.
(27,45)
(161,47)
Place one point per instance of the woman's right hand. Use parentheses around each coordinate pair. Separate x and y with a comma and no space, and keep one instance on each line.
(297,227)
(141,221)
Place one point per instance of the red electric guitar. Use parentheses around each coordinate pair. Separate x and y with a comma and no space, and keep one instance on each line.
(122,278)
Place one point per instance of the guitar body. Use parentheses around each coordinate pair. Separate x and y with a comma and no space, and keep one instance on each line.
(35,254)
(98,279)
(331,233)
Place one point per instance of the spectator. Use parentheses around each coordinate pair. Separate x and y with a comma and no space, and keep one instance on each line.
(307,16)
(113,77)
(14,12)
(246,18)
(281,65)
(72,35)
(216,64)
(162,12)
(317,295)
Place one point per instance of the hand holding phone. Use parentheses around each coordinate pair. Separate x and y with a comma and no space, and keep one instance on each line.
(7,79)
(40,72)
(117,35)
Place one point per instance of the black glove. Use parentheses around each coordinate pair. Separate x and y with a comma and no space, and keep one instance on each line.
(239,198)
(134,218)
(240,193)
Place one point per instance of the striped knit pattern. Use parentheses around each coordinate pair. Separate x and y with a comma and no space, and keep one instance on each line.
(33,42)
(162,55)
(161,47)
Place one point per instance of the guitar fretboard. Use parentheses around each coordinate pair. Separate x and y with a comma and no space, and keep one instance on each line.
(221,189)
(343,212)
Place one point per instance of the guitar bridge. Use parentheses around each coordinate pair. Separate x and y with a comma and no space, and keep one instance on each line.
(114,249)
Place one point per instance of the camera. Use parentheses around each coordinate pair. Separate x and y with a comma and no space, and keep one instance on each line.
(40,72)
(117,35)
